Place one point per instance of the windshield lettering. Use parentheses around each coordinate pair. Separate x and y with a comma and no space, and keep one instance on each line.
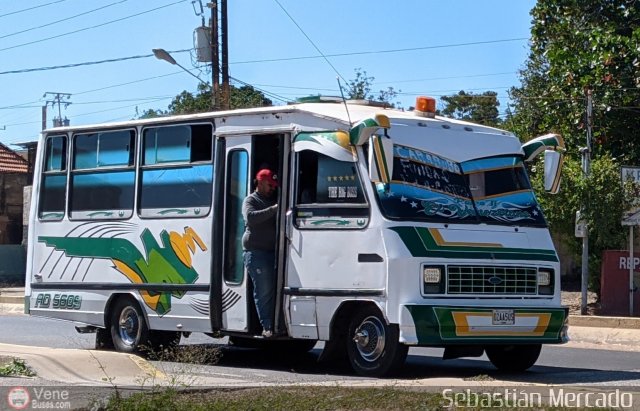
(427,187)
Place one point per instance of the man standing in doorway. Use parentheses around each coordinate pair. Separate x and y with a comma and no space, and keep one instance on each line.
(259,210)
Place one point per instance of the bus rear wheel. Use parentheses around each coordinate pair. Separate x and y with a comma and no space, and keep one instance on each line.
(513,358)
(372,344)
(129,330)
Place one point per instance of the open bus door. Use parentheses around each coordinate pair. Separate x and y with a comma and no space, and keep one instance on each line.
(239,158)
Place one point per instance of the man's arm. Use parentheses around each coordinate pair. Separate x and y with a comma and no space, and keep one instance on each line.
(253,216)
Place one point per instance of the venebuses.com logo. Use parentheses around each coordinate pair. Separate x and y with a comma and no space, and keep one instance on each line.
(18,398)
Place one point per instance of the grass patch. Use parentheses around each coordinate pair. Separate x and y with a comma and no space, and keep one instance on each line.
(280,398)
(480,377)
(189,354)
(14,367)
(306,398)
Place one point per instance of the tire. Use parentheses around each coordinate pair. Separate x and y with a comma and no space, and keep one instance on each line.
(129,330)
(513,358)
(372,344)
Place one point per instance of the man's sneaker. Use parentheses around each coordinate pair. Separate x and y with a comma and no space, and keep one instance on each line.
(267,333)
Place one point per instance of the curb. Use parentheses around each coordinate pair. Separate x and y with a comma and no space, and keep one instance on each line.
(11,300)
(604,322)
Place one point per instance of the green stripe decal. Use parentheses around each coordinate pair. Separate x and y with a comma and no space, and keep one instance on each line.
(421,243)
(436,325)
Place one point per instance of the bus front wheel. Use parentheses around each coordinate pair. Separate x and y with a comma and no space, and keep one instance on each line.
(513,358)
(372,344)
(129,330)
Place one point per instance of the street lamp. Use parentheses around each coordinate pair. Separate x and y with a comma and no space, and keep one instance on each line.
(162,54)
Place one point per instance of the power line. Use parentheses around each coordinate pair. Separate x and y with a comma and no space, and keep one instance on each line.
(447,78)
(266,93)
(88,63)
(360,53)
(356,53)
(31,8)
(128,82)
(60,21)
(310,41)
(92,27)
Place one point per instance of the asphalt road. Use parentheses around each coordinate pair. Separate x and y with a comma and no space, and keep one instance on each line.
(557,364)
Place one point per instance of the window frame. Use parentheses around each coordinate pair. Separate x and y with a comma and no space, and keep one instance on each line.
(173,165)
(248,191)
(327,208)
(64,171)
(102,170)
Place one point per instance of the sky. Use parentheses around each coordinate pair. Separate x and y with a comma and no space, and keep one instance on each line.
(418,47)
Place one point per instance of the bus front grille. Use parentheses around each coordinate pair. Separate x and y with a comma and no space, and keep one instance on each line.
(492,280)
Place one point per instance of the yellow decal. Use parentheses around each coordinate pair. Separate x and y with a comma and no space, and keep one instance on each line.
(185,244)
(150,300)
(437,237)
(470,324)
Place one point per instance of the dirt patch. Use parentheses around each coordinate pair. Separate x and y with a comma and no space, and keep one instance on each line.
(571,296)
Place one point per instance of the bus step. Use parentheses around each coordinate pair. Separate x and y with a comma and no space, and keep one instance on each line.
(87,329)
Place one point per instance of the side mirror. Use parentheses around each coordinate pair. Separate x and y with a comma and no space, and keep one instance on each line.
(380,159)
(552,171)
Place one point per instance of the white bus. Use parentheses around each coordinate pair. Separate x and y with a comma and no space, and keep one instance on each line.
(395,229)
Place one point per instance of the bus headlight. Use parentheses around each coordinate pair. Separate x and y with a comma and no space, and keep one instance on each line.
(431,275)
(432,280)
(545,281)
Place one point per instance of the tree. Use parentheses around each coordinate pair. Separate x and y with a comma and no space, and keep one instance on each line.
(189,103)
(359,88)
(477,108)
(578,44)
(151,113)
(575,45)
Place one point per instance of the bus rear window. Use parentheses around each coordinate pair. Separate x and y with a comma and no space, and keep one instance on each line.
(53,185)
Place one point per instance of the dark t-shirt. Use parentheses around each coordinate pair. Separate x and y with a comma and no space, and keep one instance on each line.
(260,222)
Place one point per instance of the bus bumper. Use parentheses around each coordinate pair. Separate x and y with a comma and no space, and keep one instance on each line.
(443,325)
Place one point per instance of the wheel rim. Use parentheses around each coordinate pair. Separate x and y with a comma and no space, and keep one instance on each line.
(129,326)
(370,339)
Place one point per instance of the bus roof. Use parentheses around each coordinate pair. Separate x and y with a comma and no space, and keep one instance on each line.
(455,139)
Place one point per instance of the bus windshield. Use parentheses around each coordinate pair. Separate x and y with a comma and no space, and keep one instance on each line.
(427,187)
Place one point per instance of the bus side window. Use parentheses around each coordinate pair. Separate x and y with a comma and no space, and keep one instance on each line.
(338,182)
(102,175)
(54,179)
(324,180)
(307,175)
(176,171)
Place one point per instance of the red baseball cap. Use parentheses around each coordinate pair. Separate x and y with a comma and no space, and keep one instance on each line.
(270,176)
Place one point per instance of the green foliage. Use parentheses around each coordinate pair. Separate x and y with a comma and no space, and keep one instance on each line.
(15,367)
(606,198)
(150,113)
(359,88)
(477,108)
(281,398)
(200,102)
(575,45)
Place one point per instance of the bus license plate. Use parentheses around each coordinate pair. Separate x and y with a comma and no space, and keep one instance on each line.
(504,317)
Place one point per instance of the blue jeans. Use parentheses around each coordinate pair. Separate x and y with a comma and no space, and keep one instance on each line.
(260,266)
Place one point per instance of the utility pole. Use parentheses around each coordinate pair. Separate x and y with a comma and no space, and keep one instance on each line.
(586,166)
(215,55)
(225,55)
(58,99)
(219,55)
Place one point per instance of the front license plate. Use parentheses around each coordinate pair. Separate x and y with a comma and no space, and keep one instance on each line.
(504,317)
